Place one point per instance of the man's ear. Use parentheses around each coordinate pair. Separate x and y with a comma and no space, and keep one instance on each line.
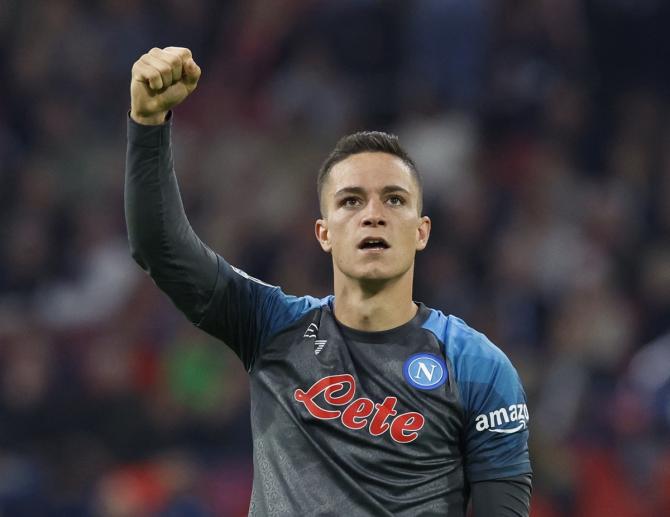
(321,231)
(423,232)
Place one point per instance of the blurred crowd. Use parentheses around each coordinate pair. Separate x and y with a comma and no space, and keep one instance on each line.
(540,128)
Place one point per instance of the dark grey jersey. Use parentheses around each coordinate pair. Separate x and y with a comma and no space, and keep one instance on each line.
(344,422)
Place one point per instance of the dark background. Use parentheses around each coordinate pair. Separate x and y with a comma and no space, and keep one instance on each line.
(541,128)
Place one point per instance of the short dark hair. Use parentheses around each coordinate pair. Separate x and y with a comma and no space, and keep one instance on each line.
(367,142)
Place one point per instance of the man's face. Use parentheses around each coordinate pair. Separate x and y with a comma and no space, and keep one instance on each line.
(371,221)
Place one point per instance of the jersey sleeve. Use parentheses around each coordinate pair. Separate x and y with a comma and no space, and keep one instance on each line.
(509,497)
(495,409)
(215,296)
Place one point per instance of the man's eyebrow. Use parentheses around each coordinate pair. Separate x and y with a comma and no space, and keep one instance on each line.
(360,191)
(394,188)
(350,190)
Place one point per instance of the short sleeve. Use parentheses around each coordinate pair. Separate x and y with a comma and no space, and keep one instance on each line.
(495,408)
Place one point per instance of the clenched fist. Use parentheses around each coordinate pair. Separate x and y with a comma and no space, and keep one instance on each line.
(161,79)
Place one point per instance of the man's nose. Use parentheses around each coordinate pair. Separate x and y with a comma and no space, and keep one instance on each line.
(374,214)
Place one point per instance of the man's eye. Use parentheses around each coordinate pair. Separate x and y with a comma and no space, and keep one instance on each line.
(350,202)
(396,200)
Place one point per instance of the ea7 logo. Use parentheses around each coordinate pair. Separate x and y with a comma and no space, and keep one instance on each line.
(494,420)
(311,331)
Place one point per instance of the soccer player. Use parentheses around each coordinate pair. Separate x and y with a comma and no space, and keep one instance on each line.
(362,403)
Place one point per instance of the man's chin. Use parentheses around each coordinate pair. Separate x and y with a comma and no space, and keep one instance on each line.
(374,276)
(372,272)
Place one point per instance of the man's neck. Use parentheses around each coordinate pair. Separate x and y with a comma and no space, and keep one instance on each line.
(365,306)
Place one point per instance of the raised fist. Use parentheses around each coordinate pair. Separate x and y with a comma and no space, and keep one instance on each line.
(161,79)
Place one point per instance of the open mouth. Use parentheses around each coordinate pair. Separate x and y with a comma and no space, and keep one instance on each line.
(373,243)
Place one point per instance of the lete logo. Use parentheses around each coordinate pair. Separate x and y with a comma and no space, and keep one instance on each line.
(339,390)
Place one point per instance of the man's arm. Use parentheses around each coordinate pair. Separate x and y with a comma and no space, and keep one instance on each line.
(496,423)
(502,497)
(217,297)
(161,239)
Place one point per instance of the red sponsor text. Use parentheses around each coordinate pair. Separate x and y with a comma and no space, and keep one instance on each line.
(339,390)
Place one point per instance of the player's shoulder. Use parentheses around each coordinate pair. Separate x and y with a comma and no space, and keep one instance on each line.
(288,309)
(471,352)
(275,295)
(301,304)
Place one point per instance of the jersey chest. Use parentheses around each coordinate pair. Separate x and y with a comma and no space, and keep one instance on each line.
(395,394)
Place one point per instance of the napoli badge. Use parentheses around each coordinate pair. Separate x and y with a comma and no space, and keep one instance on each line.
(425,371)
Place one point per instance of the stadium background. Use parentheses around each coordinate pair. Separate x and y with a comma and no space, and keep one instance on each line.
(541,128)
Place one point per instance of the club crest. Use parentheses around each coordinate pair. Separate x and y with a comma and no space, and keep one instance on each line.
(425,371)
